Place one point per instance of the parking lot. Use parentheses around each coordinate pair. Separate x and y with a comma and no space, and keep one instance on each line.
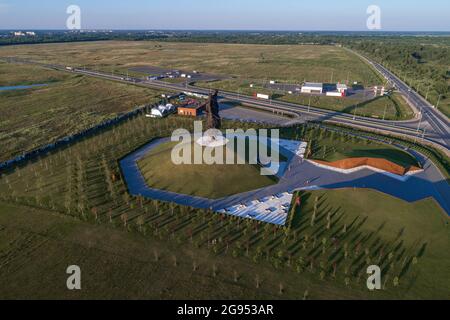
(192,75)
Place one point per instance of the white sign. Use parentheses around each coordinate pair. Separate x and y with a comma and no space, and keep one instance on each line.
(74,20)
(374,20)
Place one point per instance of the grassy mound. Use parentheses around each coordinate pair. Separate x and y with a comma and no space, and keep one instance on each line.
(202,180)
(330,148)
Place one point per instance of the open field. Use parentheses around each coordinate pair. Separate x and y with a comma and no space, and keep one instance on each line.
(69,104)
(392,107)
(202,180)
(294,63)
(246,64)
(331,146)
(84,205)
(19,74)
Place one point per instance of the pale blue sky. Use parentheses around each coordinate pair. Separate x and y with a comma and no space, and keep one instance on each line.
(347,15)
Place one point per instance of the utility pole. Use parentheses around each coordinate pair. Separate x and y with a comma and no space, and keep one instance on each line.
(309,105)
(384,115)
(423,134)
(428,91)
(418,127)
(439,100)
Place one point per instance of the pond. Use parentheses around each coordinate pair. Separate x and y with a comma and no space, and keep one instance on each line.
(22,87)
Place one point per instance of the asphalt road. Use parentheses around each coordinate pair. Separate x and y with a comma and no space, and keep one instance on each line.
(432,120)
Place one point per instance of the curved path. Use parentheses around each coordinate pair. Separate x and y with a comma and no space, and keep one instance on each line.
(301,175)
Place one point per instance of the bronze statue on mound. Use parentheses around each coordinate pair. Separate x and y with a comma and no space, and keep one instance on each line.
(213,120)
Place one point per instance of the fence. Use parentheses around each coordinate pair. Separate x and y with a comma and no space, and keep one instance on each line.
(31,155)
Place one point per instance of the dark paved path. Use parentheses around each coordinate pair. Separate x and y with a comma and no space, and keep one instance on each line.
(302,174)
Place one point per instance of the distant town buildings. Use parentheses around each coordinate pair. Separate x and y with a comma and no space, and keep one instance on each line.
(23,34)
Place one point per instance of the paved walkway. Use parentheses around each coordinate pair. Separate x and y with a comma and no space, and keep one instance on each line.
(301,174)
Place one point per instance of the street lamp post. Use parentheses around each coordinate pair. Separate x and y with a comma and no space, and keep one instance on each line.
(439,100)
(384,114)
(309,105)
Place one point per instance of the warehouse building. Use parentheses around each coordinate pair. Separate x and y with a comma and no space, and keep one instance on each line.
(312,87)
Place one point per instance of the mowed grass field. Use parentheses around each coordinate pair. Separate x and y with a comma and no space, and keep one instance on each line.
(330,146)
(38,245)
(68,104)
(422,226)
(202,180)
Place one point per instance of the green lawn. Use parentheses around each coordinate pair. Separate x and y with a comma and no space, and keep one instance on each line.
(423,227)
(244,63)
(207,181)
(36,247)
(330,146)
(88,218)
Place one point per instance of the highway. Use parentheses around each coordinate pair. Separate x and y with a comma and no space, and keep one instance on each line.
(432,120)
(408,129)
(431,126)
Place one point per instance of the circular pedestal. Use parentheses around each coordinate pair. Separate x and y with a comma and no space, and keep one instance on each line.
(212,141)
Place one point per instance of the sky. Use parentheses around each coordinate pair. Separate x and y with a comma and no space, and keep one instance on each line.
(301,15)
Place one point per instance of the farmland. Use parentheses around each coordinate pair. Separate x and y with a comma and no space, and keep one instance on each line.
(293,63)
(78,210)
(241,64)
(67,105)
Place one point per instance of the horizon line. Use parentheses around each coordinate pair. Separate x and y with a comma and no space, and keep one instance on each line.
(225,30)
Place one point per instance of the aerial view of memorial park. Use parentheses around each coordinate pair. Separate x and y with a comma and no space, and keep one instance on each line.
(221,165)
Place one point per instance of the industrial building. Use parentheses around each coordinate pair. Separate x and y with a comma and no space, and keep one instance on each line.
(312,87)
(341,91)
(192,110)
(342,88)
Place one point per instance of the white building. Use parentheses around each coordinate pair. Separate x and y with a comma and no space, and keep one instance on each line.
(30,33)
(162,111)
(19,34)
(312,87)
(342,88)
